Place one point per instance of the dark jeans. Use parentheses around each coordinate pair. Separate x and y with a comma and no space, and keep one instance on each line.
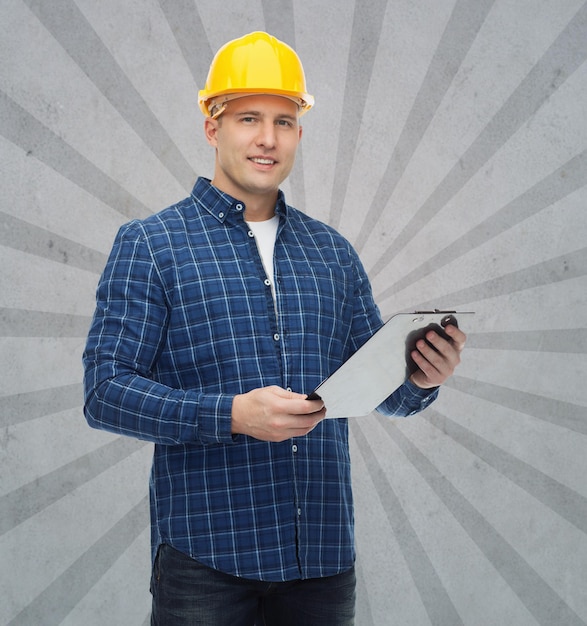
(186,592)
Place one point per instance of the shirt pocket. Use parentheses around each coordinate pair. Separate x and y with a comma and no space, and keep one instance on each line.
(320,296)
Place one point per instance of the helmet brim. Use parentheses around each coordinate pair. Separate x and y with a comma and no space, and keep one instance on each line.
(206,100)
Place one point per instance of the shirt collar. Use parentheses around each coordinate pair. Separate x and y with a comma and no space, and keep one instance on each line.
(221,205)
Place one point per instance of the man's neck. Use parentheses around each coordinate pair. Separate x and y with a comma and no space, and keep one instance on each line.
(259,214)
(258,207)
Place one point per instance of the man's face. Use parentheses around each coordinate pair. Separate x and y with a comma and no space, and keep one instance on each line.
(256,139)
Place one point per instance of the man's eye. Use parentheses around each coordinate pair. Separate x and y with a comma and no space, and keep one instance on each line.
(284,123)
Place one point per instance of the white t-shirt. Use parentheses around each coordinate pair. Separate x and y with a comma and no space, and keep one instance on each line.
(265,234)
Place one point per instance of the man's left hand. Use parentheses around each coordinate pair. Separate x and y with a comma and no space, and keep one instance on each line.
(438,363)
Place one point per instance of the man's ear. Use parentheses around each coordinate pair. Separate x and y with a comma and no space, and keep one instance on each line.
(211,130)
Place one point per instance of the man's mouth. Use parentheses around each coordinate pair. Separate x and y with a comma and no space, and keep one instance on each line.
(262,161)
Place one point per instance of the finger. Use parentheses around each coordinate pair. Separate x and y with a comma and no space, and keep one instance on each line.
(303,405)
(298,403)
(440,343)
(426,375)
(307,407)
(435,349)
(423,362)
(457,336)
(448,350)
(299,425)
(287,393)
(438,358)
(309,422)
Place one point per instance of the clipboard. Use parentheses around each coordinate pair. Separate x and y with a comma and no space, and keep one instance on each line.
(381,365)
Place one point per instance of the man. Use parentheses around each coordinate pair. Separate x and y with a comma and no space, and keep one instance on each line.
(214,319)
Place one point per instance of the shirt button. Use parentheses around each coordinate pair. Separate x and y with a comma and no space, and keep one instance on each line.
(251,233)
(276,336)
(220,215)
(267,282)
(294,448)
(299,512)
(239,207)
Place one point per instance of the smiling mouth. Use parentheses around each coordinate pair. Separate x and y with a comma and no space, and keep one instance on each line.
(262,161)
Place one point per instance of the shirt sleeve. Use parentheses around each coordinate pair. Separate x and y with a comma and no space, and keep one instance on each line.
(127,334)
(408,399)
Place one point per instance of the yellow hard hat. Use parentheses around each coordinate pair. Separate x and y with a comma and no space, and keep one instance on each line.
(254,64)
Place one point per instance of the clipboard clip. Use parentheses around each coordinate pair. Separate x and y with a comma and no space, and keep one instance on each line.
(447,319)
(434,311)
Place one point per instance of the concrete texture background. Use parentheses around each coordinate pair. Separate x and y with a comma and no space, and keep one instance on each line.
(448,143)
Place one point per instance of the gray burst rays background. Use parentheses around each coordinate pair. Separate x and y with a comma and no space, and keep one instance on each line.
(449,144)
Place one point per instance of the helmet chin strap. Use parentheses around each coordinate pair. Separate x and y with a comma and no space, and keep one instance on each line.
(218,105)
(218,110)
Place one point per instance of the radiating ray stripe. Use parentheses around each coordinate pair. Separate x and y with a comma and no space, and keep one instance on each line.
(466,20)
(28,500)
(562,182)
(368,19)
(564,341)
(560,61)
(538,597)
(557,412)
(27,323)
(75,34)
(564,267)
(53,605)
(23,407)
(23,236)
(26,132)
(189,32)
(434,596)
(280,22)
(564,501)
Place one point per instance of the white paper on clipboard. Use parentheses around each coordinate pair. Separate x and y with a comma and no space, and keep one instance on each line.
(379,367)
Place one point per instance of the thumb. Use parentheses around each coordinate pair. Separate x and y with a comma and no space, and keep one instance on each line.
(287,394)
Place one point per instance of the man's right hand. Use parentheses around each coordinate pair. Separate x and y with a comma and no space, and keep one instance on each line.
(275,414)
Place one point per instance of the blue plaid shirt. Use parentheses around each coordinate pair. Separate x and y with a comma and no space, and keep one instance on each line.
(185,320)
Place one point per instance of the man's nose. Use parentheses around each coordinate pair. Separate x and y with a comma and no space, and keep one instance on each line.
(266,136)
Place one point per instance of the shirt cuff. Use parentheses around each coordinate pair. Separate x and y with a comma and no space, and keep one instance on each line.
(420,397)
(215,419)
(408,399)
